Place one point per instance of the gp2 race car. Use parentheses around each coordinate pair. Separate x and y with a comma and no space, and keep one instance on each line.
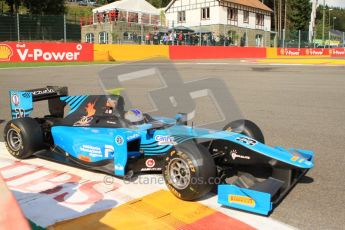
(94,132)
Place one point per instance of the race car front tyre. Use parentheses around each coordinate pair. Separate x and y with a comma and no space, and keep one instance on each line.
(23,137)
(189,171)
(247,128)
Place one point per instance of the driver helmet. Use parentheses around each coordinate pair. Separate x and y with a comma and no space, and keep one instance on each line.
(134,117)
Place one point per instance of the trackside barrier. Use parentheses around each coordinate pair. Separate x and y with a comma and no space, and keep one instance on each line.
(337,52)
(215,52)
(45,52)
(304,52)
(79,52)
(11,216)
(129,52)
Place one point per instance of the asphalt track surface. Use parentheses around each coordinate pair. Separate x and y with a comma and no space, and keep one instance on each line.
(295,106)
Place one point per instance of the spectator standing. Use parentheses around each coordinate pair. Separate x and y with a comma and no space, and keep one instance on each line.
(148,38)
(135,37)
(188,39)
(104,17)
(217,40)
(171,38)
(155,38)
(174,37)
(204,39)
(180,38)
(165,39)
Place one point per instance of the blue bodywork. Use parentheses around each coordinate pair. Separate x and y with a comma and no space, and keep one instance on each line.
(92,144)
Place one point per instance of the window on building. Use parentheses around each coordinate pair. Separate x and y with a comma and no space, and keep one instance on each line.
(103,37)
(133,17)
(154,19)
(205,13)
(181,16)
(145,18)
(245,16)
(259,19)
(90,38)
(232,14)
(122,16)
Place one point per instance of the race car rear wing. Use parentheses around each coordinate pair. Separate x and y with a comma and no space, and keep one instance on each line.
(22,101)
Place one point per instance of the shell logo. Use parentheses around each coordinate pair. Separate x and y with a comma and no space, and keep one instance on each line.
(5,52)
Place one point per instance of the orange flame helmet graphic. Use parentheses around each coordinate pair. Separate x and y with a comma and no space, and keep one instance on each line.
(90,109)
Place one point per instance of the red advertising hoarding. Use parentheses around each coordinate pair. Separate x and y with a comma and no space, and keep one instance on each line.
(292,52)
(45,52)
(338,52)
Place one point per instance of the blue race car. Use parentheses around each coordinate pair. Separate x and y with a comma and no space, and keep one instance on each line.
(96,133)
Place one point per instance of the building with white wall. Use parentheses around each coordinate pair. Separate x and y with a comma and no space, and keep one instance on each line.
(243,20)
(124,21)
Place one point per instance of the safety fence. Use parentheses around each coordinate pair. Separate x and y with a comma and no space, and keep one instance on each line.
(305,39)
(71,52)
(25,27)
(76,27)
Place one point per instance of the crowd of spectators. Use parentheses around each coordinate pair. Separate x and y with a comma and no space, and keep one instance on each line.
(187,38)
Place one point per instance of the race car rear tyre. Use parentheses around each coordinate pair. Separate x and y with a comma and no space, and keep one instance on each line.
(23,137)
(189,171)
(247,128)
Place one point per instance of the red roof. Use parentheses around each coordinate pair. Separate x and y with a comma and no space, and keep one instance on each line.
(251,3)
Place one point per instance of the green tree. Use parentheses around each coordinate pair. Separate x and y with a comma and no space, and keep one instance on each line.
(338,13)
(159,3)
(14,5)
(52,7)
(298,14)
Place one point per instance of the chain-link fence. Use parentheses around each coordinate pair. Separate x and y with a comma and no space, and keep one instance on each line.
(39,28)
(68,28)
(302,39)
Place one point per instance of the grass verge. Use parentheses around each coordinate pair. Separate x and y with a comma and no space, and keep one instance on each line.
(42,64)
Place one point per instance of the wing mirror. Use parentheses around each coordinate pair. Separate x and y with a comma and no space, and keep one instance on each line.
(181,119)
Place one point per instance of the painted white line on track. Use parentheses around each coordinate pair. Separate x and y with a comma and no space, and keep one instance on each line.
(213,63)
(240,62)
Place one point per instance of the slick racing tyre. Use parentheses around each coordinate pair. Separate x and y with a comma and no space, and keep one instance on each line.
(23,137)
(247,128)
(189,171)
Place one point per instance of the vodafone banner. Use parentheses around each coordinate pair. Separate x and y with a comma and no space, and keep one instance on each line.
(291,52)
(45,52)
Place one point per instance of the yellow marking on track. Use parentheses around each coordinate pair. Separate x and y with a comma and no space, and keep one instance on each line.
(159,210)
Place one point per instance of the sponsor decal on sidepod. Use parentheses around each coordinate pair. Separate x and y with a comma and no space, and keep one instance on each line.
(165,140)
